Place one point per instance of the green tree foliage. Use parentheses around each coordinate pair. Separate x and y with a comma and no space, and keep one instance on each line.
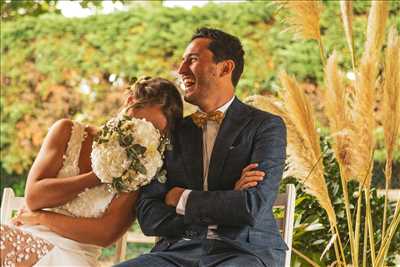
(14,9)
(54,67)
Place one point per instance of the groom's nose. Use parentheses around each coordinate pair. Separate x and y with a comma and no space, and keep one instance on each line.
(183,67)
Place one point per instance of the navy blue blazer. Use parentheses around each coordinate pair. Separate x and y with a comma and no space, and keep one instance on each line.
(244,218)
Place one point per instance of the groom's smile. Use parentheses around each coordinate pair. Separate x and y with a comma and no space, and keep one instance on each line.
(188,82)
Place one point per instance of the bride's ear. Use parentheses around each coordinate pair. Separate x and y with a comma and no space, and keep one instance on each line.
(130,100)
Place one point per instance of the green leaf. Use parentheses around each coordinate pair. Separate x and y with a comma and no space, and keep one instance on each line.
(125,140)
(162,176)
(140,168)
(140,150)
(118,184)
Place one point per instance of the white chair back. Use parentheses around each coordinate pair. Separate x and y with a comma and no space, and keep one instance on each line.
(10,203)
(287,201)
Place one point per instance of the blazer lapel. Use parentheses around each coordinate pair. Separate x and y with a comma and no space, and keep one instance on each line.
(191,142)
(236,118)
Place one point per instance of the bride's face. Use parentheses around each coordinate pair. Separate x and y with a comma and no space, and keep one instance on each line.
(152,114)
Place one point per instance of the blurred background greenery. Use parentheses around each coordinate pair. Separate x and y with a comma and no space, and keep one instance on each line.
(54,67)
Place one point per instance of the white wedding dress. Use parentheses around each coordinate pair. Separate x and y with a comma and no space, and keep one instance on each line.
(90,203)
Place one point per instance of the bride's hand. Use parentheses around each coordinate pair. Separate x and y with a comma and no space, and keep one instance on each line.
(23,209)
(27,217)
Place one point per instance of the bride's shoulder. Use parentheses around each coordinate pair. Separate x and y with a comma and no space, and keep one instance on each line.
(61,130)
(62,126)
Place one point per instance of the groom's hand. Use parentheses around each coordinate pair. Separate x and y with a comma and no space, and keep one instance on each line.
(173,196)
(250,177)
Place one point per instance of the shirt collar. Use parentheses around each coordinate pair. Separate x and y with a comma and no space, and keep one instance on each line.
(224,107)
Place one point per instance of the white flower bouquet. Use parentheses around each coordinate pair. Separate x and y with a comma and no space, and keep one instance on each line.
(128,153)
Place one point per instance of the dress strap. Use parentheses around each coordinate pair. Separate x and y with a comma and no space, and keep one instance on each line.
(71,156)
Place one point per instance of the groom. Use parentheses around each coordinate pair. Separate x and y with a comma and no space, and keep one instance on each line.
(223,172)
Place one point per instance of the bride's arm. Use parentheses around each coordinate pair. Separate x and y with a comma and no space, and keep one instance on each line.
(101,231)
(42,190)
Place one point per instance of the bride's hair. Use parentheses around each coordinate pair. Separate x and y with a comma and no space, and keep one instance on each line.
(159,91)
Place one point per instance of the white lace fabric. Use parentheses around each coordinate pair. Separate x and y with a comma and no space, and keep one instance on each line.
(92,202)
(19,248)
(37,245)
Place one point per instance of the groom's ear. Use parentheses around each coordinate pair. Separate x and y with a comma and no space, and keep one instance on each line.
(227,67)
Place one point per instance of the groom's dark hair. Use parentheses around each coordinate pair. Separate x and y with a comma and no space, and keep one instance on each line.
(224,46)
(159,91)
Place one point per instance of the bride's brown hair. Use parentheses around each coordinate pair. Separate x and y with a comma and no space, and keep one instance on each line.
(159,91)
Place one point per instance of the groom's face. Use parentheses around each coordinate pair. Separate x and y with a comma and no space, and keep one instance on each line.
(199,72)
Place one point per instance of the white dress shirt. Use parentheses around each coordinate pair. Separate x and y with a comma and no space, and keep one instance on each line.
(210,132)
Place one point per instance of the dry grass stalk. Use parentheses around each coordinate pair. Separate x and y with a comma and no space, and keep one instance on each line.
(336,109)
(305,21)
(363,109)
(362,139)
(391,93)
(346,11)
(269,104)
(304,257)
(391,107)
(301,115)
(305,16)
(300,111)
(386,240)
(337,112)
(377,18)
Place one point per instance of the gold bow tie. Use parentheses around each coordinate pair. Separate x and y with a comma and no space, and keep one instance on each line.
(201,118)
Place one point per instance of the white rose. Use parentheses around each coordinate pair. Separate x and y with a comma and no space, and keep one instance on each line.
(109,160)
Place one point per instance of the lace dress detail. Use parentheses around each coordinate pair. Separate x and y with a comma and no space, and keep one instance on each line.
(21,249)
(71,157)
(37,245)
(92,202)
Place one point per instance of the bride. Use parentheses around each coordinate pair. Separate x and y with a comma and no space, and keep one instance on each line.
(61,179)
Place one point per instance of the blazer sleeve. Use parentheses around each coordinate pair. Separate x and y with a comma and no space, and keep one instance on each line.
(238,208)
(156,218)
